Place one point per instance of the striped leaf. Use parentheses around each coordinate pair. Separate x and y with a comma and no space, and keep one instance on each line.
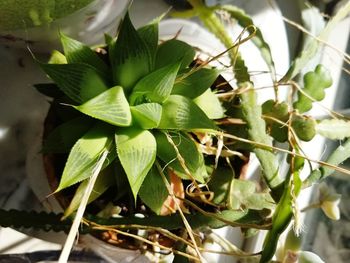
(136,150)
(147,115)
(183,114)
(110,106)
(84,155)
(78,81)
(156,86)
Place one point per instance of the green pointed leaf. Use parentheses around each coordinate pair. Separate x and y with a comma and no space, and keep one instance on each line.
(80,82)
(57,58)
(104,180)
(153,191)
(183,114)
(62,139)
(314,85)
(137,152)
(173,51)
(334,129)
(84,155)
(195,84)
(187,148)
(77,52)
(149,34)
(157,85)
(132,58)
(210,105)
(147,115)
(110,106)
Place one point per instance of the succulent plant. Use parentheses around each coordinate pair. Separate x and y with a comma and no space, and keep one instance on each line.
(173,138)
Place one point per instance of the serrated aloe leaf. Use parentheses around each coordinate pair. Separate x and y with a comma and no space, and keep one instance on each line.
(78,81)
(77,52)
(173,51)
(244,20)
(49,90)
(62,139)
(210,105)
(110,106)
(157,85)
(183,114)
(84,155)
(314,85)
(194,159)
(104,180)
(147,115)
(196,83)
(136,150)
(132,59)
(57,58)
(153,191)
(334,129)
(149,33)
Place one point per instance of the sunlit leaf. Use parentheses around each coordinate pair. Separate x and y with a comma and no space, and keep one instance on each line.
(147,115)
(157,85)
(334,129)
(183,114)
(173,51)
(57,58)
(78,81)
(314,85)
(77,52)
(210,105)
(131,59)
(196,83)
(84,155)
(136,150)
(153,191)
(62,138)
(193,159)
(110,106)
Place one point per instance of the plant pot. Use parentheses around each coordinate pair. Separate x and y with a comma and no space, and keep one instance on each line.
(84,20)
